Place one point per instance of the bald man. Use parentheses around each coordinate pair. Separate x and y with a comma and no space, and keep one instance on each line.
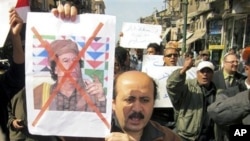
(133,105)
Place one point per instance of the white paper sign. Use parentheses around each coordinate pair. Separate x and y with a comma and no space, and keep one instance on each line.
(156,60)
(152,66)
(79,115)
(137,35)
(5,6)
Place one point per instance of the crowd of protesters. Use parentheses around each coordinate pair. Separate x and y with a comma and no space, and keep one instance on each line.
(204,108)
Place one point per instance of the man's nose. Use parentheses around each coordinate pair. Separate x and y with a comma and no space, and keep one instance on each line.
(137,106)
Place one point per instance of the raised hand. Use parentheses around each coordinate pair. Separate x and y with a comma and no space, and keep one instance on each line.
(65,12)
(188,63)
(16,23)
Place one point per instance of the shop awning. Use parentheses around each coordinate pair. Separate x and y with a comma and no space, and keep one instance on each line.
(228,15)
(197,35)
(188,35)
(192,37)
(199,12)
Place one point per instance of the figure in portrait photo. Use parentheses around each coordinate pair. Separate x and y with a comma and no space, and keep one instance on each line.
(70,94)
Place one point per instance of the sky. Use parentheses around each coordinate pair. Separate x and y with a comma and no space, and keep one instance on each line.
(131,10)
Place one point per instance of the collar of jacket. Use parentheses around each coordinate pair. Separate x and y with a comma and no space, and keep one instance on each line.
(150,132)
(210,91)
(237,76)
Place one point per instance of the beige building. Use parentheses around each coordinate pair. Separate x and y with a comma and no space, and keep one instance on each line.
(217,25)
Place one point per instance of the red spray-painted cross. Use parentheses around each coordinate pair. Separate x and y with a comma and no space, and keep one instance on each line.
(68,76)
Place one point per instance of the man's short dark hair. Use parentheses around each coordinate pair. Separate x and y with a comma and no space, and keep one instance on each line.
(189,54)
(121,55)
(155,46)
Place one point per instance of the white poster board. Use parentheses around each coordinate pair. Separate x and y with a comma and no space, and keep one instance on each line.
(152,66)
(5,6)
(156,60)
(138,35)
(95,38)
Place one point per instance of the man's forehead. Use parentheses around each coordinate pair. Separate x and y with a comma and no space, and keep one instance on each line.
(132,76)
(150,48)
(137,93)
(230,56)
(134,84)
(134,81)
(170,50)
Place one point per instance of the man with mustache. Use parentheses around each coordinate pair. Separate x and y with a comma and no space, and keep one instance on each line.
(133,102)
(68,98)
(190,99)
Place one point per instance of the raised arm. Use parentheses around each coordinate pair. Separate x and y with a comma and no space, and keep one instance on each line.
(176,82)
(16,24)
(13,80)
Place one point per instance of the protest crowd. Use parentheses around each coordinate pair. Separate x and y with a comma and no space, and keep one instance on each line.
(203,108)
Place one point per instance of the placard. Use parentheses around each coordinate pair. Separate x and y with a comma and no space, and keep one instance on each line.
(55,55)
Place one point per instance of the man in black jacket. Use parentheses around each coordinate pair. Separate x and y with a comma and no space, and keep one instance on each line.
(13,79)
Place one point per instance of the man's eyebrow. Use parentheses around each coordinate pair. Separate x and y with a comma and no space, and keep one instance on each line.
(137,96)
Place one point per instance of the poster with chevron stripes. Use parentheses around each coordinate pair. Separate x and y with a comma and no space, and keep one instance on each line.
(69,74)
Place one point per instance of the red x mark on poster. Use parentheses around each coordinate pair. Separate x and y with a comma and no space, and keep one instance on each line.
(68,76)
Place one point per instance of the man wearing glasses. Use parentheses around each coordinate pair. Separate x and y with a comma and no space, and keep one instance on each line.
(228,79)
(231,109)
(170,57)
(161,114)
(230,67)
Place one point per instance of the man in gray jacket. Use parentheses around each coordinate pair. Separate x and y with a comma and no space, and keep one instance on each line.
(190,98)
(232,108)
(227,111)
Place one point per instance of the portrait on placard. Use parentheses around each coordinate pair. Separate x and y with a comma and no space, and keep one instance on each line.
(69,74)
(61,60)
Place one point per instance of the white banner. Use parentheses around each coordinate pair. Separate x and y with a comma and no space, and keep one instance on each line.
(5,6)
(153,66)
(61,55)
(156,60)
(137,35)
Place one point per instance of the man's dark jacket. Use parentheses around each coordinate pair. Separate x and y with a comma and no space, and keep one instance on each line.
(10,83)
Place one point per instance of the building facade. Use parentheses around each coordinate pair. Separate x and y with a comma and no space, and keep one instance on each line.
(217,25)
